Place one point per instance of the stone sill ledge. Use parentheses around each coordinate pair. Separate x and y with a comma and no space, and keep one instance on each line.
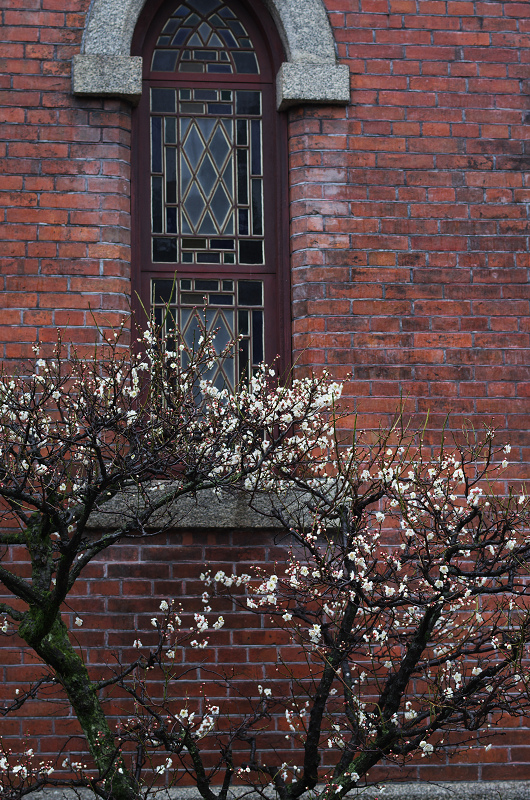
(444,790)
(205,510)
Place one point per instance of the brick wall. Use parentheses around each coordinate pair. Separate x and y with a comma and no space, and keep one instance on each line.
(410,212)
(64,194)
(116,598)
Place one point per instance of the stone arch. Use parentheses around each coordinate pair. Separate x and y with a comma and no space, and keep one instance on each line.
(311,73)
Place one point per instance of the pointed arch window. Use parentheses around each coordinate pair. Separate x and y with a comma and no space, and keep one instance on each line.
(209,162)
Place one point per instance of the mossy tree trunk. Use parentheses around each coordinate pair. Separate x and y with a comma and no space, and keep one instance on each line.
(56,650)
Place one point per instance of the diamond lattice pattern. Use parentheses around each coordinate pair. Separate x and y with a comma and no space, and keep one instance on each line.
(206,174)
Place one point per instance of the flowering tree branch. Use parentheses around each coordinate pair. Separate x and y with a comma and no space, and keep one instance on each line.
(407,590)
(75,433)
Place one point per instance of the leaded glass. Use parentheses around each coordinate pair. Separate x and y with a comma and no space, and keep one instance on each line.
(204,36)
(233,308)
(207,175)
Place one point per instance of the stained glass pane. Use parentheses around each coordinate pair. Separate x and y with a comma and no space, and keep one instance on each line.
(171,132)
(242,177)
(193,147)
(185,176)
(214,41)
(163,100)
(243,222)
(242,131)
(165,61)
(192,108)
(163,292)
(250,293)
(206,126)
(171,220)
(165,250)
(207,285)
(179,38)
(207,175)
(250,252)
(156,203)
(205,31)
(207,225)
(255,127)
(156,144)
(219,108)
(220,205)
(219,147)
(244,367)
(248,103)
(243,323)
(223,335)
(257,211)
(194,205)
(257,337)
(191,67)
(205,94)
(219,68)
(171,25)
(194,243)
(171,175)
(246,63)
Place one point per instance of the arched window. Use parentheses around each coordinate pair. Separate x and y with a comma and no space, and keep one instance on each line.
(210,162)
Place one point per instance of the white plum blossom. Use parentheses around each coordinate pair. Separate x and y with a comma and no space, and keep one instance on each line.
(315,633)
(426,748)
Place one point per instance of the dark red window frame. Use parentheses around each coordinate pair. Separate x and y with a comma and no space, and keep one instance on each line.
(275,272)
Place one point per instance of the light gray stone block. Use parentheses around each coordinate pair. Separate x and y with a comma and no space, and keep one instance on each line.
(312,83)
(110,27)
(205,510)
(304,29)
(107,76)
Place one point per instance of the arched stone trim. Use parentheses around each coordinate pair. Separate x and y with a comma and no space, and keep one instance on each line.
(310,75)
